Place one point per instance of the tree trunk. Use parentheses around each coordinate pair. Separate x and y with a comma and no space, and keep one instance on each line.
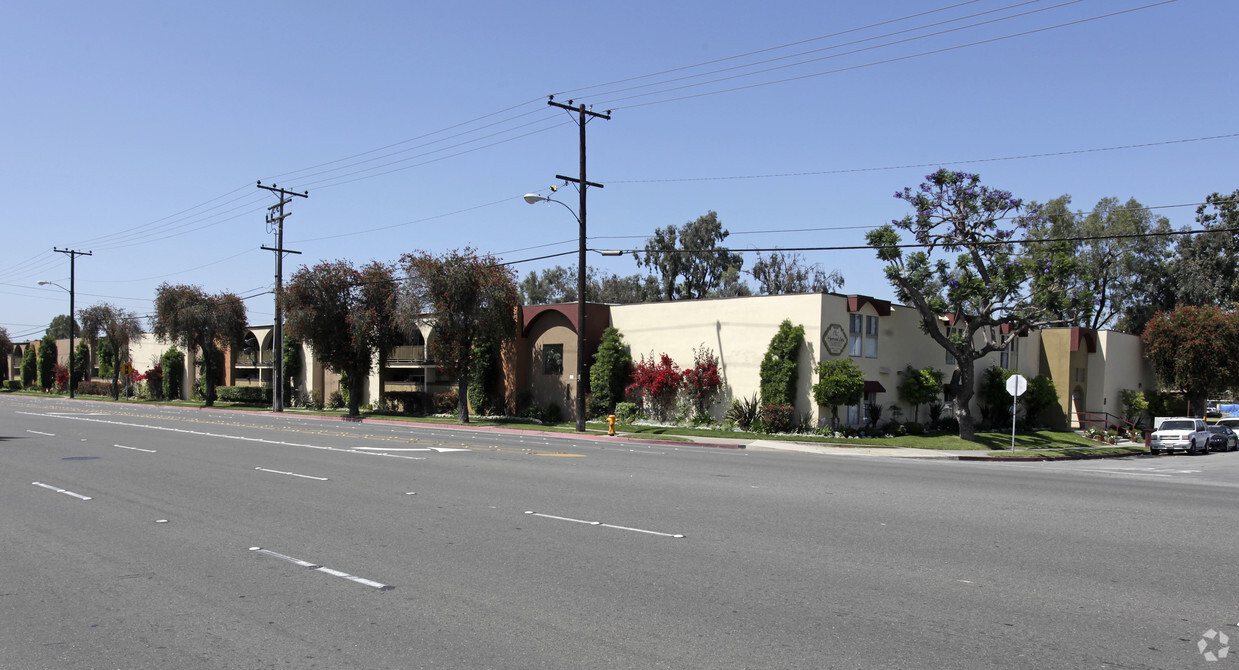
(462,397)
(208,386)
(963,401)
(354,392)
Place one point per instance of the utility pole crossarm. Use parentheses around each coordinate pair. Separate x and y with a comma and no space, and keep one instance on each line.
(277,217)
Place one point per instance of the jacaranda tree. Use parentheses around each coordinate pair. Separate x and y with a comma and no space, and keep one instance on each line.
(466,297)
(346,315)
(114,325)
(197,321)
(991,282)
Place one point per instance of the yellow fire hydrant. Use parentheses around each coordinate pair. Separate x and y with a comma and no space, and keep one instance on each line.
(611,425)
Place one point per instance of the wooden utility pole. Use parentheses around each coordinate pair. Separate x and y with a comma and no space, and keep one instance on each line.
(583,115)
(275,218)
(72,254)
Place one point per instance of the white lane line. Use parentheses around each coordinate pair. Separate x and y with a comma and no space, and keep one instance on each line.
(36,432)
(1126,472)
(293,474)
(57,489)
(605,525)
(149,451)
(243,438)
(318,568)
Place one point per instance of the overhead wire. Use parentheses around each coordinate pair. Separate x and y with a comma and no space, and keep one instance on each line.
(610,104)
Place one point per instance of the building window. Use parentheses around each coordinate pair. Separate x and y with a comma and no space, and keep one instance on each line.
(858,415)
(856,335)
(863,334)
(1010,357)
(553,359)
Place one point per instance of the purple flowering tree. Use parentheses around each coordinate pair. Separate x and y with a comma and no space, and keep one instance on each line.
(968,274)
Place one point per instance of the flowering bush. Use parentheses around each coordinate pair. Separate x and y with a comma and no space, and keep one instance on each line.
(702,383)
(655,384)
(154,382)
(62,378)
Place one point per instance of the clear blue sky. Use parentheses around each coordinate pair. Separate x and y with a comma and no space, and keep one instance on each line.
(137,130)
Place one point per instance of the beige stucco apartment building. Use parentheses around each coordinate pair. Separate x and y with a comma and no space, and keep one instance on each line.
(1090,369)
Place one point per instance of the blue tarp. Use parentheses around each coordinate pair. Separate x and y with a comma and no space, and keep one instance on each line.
(1231,411)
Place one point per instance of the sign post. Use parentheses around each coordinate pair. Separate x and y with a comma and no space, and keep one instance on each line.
(1016,385)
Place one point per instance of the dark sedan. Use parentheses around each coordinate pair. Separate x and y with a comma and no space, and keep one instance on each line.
(1222,438)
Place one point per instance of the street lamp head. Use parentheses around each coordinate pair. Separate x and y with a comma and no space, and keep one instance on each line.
(533,198)
(44,283)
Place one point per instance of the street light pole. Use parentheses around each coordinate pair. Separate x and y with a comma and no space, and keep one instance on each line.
(582,187)
(72,322)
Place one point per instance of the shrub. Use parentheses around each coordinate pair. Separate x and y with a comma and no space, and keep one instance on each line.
(627,412)
(256,395)
(702,383)
(47,362)
(316,400)
(913,428)
(81,363)
(948,424)
(61,374)
(611,369)
(13,384)
(553,413)
(94,388)
(172,363)
(655,383)
(743,412)
(778,418)
(447,402)
(780,366)
(335,400)
(154,382)
(30,367)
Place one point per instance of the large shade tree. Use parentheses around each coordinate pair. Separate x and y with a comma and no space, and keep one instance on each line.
(115,326)
(1192,349)
(991,281)
(1120,249)
(689,259)
(785,272)
(195,320)
(346,315)
(467,297)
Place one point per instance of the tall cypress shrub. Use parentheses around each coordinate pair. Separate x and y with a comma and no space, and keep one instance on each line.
(30,367)
(780,367)
(47,362)
(610,372)
(173,365)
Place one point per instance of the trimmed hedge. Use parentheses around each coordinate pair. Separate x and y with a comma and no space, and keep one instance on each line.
(257,395)
(13,384)
(94,388)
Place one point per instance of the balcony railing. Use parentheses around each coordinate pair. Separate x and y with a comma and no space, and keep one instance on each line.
(407,354)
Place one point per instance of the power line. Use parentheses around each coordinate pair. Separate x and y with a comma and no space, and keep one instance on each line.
(611,103)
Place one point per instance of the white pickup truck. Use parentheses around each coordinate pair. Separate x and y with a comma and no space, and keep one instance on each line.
(1180,433)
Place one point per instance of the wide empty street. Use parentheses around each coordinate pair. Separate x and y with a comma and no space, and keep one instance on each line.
(150,537)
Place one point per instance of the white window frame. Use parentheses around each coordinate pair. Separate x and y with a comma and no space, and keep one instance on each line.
(856,335)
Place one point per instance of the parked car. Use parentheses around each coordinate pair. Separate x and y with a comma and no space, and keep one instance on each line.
(1180,433)
(1232,424)
(1222,438)
(1213,411)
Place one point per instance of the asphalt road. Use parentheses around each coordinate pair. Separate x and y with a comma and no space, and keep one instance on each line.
(137,537)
